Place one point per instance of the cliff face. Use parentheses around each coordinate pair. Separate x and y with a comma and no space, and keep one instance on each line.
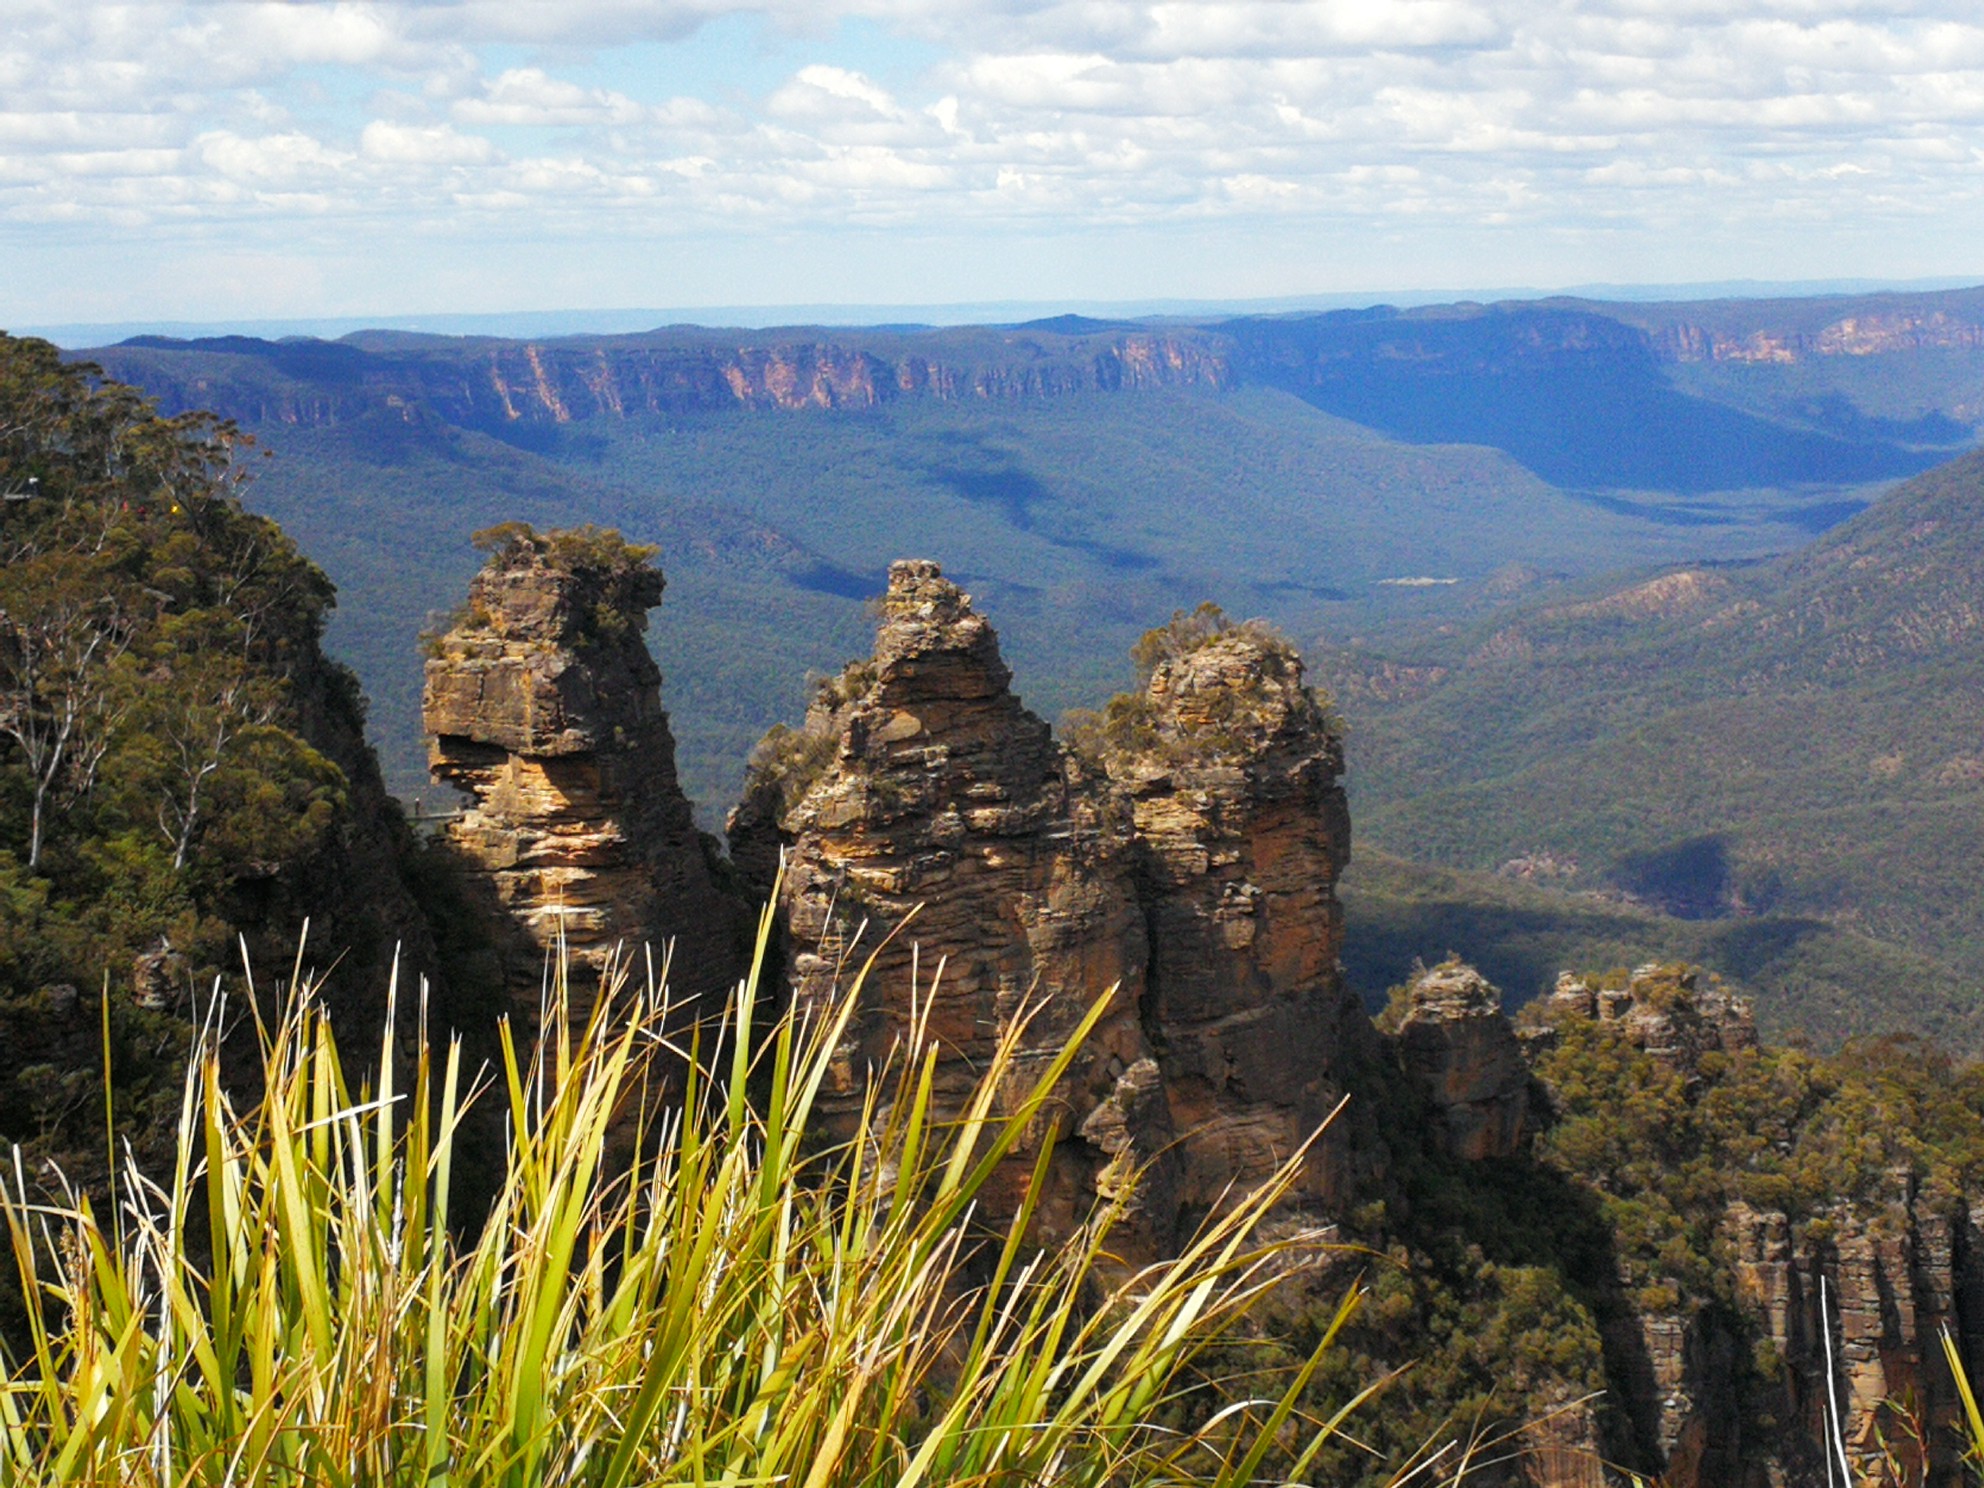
(920,783)
(1733,1381)
(1185,847)
(1884,1279)
(1457,1046)
(544,705)
(1870,333)
(498,384)
(1233,772)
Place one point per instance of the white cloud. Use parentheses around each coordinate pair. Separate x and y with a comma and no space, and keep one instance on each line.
(527,95)
(416,144)
(269,159)
(1570,117)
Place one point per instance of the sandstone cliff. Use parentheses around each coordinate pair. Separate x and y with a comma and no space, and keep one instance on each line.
(544,705)
(501,384)
(920,783)
(1233,768)
(1184,847)
(1458,1047)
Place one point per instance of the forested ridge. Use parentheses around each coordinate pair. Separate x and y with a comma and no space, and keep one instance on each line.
(184,777)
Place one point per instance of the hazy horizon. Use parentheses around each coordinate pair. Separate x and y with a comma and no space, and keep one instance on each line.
(620,321)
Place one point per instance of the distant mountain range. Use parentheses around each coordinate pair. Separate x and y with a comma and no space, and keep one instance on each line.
(1384,482)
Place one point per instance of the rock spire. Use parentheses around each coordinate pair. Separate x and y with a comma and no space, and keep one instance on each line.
(544,705)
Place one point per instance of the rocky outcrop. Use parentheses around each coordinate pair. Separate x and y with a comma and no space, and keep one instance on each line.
(1184,847)
(1457,1046)
(544,705)
(920,786)
(1830,1331)
(1861,1296)
(1232,767)
(1668,1011)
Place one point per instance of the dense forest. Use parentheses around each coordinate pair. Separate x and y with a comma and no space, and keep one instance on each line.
(185,785)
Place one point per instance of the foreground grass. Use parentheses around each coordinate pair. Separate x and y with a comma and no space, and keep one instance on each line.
(722,1300)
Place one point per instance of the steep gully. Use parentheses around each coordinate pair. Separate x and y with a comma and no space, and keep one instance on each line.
(1183,848)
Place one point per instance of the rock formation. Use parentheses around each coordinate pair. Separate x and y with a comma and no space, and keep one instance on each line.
(1184,847)
(1667,1012)
(1859,1293)
(1455,1043)
(1884,1280)
(544,705)
(1232,767)
(919,783)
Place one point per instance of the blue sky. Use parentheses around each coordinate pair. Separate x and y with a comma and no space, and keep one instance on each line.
(212,161)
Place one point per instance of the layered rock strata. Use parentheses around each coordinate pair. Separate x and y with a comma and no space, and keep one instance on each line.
(1848,1306)
(1233,768)
(1457,1046)
(544,705)
(920,786)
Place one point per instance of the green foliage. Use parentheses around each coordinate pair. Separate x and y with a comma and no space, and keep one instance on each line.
(736,1303)
(1774,751)
(586,548)
(612,583)
(790,760)
(167,630)
(1132,724)
(180,765)
(787,761)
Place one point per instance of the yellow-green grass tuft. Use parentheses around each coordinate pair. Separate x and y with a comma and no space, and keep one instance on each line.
(707,1295)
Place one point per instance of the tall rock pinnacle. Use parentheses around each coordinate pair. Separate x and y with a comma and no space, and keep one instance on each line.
(920,783)
(1232,767)
(544,704)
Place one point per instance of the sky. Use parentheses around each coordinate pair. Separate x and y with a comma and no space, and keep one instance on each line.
(227,161)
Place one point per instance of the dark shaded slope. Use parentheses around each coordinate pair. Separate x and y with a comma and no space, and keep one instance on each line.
(1576,396)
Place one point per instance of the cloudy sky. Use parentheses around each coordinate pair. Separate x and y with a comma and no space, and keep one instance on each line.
(227,160)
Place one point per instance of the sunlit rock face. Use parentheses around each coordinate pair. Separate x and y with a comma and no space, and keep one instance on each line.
(1233,769)
(1184,851)
(927,815)
(544,705)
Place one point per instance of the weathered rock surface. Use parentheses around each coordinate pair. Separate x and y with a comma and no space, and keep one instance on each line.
(1884,1280)
(544,704)
(1860,1294)
(919,783)
(1185,847)
(1462,1051)
(1233,770)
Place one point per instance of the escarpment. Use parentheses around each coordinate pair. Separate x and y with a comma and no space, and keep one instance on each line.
(544,705)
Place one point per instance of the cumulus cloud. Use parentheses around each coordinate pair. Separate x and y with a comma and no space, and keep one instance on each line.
(423,144)
(1647,112)
(528,96)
